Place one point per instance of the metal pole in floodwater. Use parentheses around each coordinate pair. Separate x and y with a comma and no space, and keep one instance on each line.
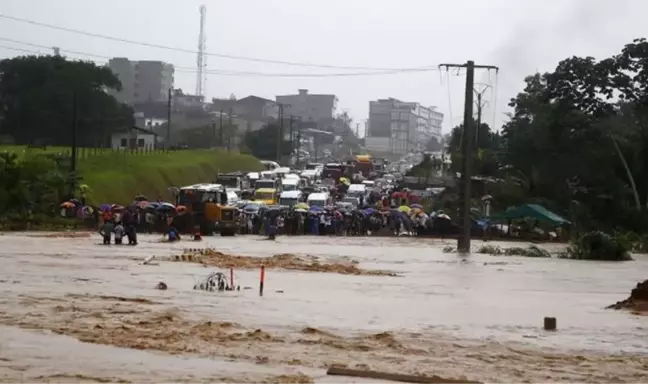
(232,278)
(262,280)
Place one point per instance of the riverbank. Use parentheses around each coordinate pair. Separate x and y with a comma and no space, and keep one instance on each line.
(117,176)
(429,320)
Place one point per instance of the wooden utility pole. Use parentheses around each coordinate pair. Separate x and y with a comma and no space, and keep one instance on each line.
(298,144)
(230,125)
(480,105)
(463,243)
(75,132)
(168,132)
(280,131)
(292,136)
(221,141)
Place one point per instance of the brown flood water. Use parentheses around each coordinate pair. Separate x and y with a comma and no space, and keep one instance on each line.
(478,317)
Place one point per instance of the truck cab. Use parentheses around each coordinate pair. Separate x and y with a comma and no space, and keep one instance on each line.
(268,196)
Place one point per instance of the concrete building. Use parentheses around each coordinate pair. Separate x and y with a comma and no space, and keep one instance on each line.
(142,81)
(310,107)
(401,127)
(182,101)
(133,138)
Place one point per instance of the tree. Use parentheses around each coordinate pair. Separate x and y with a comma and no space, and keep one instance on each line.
(486,151)
(37,97)
(263,143)
(433,145)
(578,137)
(34,184)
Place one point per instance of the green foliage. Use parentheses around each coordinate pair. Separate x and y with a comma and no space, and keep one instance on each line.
(37,97)
(597,245)
(578,140)
(486,150)
(263,143)
(33,184)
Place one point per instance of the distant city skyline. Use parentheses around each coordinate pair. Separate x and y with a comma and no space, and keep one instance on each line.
(519,37)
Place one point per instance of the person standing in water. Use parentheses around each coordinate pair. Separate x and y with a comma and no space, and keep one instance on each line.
(106,232)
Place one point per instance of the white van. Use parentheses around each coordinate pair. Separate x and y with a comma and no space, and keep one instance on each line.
(319,199)
(289,184)
(290,198)
(357,190)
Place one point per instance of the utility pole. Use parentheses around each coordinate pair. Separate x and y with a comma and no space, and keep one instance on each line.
(168,132)
(221,141)
(213,143)
(73,151)
(463,243)
(298,144)
(75,133)
(280,131)
(229,131)
(480,105)
(292,137)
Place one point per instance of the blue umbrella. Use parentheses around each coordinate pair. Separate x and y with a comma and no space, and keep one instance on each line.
(105,207)
(316,208)
(416,206)
(369,211)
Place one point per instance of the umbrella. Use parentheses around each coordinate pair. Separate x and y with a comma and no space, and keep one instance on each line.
(443,216)
(84,188)
(142,204)
(369,211)
(105,207)
(417,206)
(316,208)
(404,209)
(75,201)
(181,208)
(165,207)
(116,207)
(141,198)
(300,210)
(301,206)
(67,205)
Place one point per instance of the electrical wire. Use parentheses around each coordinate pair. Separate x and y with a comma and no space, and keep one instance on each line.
(221,55)
(227,72)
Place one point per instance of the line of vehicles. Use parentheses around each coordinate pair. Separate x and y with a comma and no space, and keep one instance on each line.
(213,206)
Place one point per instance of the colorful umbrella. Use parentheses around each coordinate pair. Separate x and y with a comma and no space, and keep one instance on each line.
(67,205)
(301,206)
(404,209)
(417,206)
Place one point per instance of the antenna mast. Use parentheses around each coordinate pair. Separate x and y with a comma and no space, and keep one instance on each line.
(201,60)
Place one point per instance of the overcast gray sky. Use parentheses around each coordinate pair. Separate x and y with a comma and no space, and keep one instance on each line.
(520,37)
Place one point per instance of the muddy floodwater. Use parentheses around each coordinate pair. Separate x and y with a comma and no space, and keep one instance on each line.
(72,310)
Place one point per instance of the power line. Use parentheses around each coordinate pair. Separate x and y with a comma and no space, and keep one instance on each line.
(221,55)
(227,72)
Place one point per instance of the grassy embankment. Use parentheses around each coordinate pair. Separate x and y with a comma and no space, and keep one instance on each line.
(117,176)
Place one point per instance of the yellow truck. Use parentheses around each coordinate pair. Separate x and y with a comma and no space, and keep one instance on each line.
(269,196)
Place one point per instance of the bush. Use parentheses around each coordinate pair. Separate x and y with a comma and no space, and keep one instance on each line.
(597,245)
(39,222)
(531,251)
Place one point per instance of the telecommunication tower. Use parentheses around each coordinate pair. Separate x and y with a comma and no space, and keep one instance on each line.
(201,60)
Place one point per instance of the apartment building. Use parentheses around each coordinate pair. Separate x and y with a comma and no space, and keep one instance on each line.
(401,127)
(319,108)
(142,81)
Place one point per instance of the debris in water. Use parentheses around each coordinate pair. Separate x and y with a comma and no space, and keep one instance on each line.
(215,281)
(161,286)
(638,300)
(211,257)
(367,374)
